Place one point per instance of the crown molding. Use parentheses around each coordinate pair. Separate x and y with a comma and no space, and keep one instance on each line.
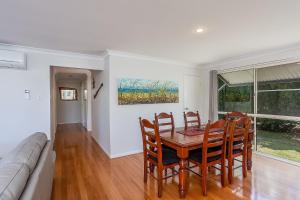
(27,49)
(110,52)
(102,55)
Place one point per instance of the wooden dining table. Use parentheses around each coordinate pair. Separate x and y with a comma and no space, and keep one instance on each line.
(184,141)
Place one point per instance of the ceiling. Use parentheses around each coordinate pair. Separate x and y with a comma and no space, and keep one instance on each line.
(158,28)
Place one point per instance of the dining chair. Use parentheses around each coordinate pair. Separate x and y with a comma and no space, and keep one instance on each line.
(191,120)
(213,151)
(155,155)
(164,121)
(237,145)
(239,115)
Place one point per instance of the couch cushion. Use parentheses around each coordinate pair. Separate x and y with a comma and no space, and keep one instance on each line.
(28,154)
(38,138)
(28,151)
(39,184)
(13,178)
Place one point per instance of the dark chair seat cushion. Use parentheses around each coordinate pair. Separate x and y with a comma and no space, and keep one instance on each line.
(237,142)
(166,147)
(196,155)
(169,156)
(235,151)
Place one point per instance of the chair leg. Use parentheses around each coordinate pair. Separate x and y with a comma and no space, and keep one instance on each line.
(223,173)
(166,171)
(145,171)
(244,166)
(203,181)
(230,170)
(159,181)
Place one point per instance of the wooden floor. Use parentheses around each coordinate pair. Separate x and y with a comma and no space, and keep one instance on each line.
(83,171)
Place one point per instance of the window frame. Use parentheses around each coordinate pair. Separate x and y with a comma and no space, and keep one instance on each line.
(68,88)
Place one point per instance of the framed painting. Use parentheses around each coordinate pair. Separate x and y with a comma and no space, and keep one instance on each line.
(141,91)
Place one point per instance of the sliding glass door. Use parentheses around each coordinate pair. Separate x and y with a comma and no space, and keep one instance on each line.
(278,106)
(275,108)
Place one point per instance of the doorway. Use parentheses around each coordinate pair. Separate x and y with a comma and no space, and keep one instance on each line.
(71,99)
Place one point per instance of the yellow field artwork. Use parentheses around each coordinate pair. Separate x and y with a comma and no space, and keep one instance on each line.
(140,91)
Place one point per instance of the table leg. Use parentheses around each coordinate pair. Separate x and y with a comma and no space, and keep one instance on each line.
(182,178)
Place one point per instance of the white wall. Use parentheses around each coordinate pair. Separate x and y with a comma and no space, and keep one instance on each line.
(101,108)
(116,127)
(84,104)
(125,135)
(53,104)
(69,112)
(20,117)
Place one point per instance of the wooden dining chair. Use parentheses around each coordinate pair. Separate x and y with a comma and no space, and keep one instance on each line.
(155,155)
(238,115)
(237,145)
(213,151)
(164,121)
(191,120)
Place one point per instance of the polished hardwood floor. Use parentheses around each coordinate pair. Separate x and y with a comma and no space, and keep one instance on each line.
(83,171)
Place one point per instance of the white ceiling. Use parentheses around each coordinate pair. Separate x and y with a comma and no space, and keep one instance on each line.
(159,28)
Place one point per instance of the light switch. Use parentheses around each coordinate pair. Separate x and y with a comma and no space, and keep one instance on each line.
(27,94)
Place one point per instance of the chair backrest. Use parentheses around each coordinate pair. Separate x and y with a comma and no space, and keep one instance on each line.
(214,142)
(238,131)
(151,140)
(191,120)
(164,121)
(235,115)
(242,122)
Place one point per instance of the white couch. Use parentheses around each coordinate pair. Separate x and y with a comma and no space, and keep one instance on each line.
(26,173)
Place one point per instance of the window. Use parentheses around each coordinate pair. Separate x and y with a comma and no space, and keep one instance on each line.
(68,94)
(278,90)
(275,109)
(235,91)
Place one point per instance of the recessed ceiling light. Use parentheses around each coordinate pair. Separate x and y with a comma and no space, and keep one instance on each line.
(200,30)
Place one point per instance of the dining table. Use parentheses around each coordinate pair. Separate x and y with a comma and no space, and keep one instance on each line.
(183,141)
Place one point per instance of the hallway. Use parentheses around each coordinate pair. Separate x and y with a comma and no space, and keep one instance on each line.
(83,171)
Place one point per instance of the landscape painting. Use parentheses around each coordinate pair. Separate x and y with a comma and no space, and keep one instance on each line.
(141,91)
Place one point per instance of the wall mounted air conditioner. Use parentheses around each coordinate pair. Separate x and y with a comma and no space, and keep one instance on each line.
(12,59)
